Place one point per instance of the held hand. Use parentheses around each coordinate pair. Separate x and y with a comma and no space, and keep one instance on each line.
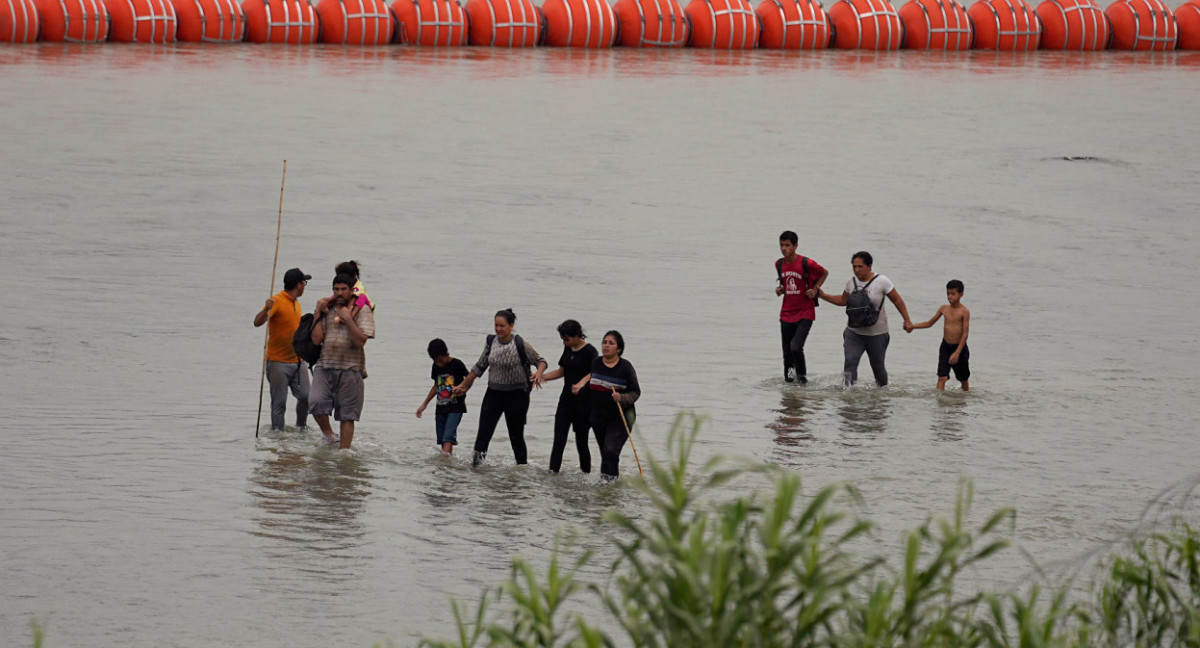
(460,391)
(908,326)
(420,411)
(322,305)
(269,305)
(344,313)
(811,293)
(537,379)
(576,387)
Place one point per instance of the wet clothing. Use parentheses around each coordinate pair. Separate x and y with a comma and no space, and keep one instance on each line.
(507,394)
(875,346)
(446,427)
(283,376)
(337,392)
(606,416)
(574,410)
(445,379)
(793,335)
(962,370)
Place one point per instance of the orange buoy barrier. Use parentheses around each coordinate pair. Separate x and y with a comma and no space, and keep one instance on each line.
(722,24)
(281,21)
(141,21)
(1141,25)
(936,24)
(503,23)
(651,23)
(19,21)
(1187,20)
(1009,25)
(355,22)
(430,22)
(865,24)
(73,21)
(209,21)
(792,25)
(589,24)
(1073,25)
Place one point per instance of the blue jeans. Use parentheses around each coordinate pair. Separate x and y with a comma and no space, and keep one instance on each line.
(447,427)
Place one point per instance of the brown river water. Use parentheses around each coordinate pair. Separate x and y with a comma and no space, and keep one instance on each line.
(642,191)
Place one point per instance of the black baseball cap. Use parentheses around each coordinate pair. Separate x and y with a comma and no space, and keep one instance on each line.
(293,277)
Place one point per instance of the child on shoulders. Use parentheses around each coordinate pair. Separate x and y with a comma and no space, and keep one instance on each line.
(953,352)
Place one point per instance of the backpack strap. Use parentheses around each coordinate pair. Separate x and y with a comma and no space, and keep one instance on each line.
(779,269)
(524,360)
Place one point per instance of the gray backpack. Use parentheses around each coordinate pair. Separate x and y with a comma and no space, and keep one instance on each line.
(860,312)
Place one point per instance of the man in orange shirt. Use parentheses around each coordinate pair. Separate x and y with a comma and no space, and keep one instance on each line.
(284,369)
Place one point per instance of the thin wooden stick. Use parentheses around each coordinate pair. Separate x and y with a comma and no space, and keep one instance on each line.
(270,291)
(626,424)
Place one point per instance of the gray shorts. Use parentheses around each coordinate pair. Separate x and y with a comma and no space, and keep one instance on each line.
(336,391)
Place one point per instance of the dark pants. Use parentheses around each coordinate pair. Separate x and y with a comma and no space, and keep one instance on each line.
(793,335)
(573,412)
(514,405)
(611,434)
(875,347)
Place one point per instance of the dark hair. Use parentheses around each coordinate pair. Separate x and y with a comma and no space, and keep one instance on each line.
(865,256)
(571,328)
(789,235)
(437,348)
(956,285)
(620,341)
(344,279)
(347,268)
(508,315)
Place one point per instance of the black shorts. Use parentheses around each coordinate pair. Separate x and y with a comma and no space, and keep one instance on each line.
(962,370)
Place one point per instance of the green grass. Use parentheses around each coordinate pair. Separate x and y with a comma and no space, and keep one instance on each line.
(778,569)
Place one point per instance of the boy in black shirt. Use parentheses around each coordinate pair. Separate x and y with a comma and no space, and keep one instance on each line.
(447,372)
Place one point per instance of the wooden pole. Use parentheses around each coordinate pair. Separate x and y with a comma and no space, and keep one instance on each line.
(270,291)
(626,424)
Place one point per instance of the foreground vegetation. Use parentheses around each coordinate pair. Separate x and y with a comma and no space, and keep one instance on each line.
(776,569)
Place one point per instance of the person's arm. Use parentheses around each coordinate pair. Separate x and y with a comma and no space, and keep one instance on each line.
(428,397)
(554,374)
(902,307)
(357,336)
(836,300)
(581,384)
(962,342)
(931,321)
(633,390)
(318,330)
(263,315)
(531,353)
(461,390)
(816,287)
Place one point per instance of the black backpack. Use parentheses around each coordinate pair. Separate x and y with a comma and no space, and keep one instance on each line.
(520,354)
(860,312)
(803,271)
(302,340)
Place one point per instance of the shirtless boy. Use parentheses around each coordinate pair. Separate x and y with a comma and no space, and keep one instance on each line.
(953,352)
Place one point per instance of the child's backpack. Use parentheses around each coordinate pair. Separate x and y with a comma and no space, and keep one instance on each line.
(302,340)
(520,354)
(803,271)
(860,312)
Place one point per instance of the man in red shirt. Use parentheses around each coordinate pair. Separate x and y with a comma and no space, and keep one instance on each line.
(800,280)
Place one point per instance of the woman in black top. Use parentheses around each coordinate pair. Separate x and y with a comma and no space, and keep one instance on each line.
(574,409)
(612,381)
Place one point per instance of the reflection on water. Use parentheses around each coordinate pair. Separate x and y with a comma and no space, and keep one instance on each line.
(791,425)
(311,499)
(863,413)
(950,416)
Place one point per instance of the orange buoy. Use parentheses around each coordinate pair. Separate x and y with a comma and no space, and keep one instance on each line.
(1009,25)
(722,24)
(1077,25)
(503,23)
(589,24)
(1187,19)
(209,21)
(651,23)
(19,21)
(936,25)
(355,22)
(293,22)
(141,21)
(430,22)
(73,21)
(792,25)
(865,24)
(1141,25)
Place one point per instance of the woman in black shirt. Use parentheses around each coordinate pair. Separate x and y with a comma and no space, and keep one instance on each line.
(574,409)
(612,381)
